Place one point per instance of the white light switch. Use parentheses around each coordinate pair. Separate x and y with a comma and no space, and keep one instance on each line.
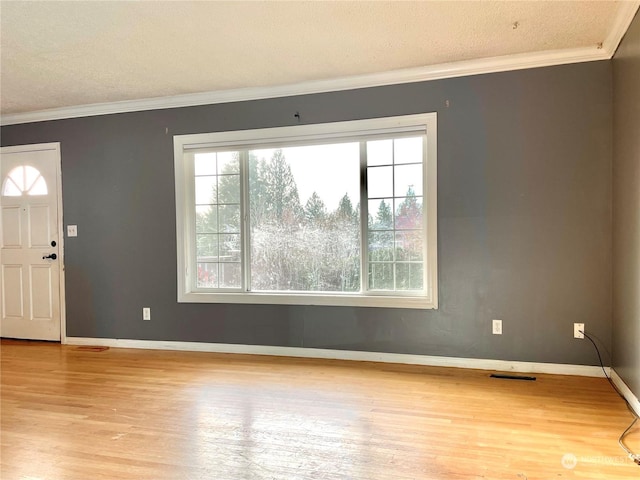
(72,230)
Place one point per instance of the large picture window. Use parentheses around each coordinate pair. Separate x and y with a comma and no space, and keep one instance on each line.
(330,214)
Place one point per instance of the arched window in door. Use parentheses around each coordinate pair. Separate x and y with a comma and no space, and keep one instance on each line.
(24,180)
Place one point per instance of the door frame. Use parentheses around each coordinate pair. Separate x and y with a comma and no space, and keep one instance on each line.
(55,146)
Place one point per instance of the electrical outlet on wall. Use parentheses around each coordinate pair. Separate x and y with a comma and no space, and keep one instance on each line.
(146,313)
(578,329)
(496,327)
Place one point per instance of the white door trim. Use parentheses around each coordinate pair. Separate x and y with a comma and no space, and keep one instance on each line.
(55,146)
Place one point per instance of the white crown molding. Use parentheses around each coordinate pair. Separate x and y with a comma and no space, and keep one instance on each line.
(411,75)
(626,12)
(425,360)
(626,391)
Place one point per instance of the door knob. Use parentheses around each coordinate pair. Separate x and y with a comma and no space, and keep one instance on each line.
(53,256)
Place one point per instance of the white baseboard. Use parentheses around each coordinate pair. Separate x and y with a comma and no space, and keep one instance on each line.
(626,392)
(427,360)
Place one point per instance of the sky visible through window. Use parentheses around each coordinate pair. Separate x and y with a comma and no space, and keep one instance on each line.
(333,170)
(329,170)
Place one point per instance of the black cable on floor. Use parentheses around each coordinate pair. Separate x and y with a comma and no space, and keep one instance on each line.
(632,456)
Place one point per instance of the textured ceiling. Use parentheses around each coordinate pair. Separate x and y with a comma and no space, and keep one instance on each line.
(60,54)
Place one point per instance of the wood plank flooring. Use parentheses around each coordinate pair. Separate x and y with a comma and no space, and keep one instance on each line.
(72,413)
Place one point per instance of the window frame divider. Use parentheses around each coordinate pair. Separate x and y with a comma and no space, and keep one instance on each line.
(364,221)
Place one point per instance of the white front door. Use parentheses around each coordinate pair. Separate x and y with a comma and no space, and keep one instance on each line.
(30,242)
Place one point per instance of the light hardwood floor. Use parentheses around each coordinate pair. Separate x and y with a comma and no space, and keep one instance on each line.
(68,413)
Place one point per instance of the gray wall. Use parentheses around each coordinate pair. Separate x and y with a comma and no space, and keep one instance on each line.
(626,208)
(524,179)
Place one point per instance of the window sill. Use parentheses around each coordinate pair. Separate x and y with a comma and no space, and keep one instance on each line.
(341,300)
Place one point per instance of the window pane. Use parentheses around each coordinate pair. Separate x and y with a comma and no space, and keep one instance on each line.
(207,275)
(381,214)
(408,213)
(206,219)
(395,224)
(230,275)
(380,246)
(25,179)
(409,245)
(381,276)
(204,164)
(380,182)
(409,276)
(229,216)
(206,190)
(228,162)
(380,152)
(17,175)
(207,247)
(10,189)
(230,248)
(305,218)
(407,180)
(218,226)
(30,176)
(39,187)
(407,150)
(229,189)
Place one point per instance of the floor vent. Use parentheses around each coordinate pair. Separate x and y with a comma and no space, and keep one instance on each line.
(512,377)
(91,349)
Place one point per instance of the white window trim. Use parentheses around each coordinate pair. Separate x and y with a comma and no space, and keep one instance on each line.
(243,138)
